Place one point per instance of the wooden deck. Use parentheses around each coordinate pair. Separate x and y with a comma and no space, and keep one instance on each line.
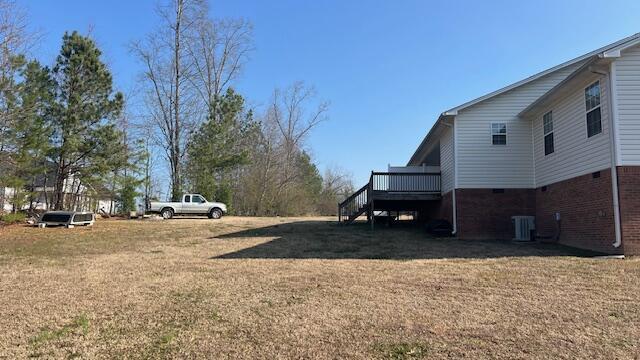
(404,196)
(392,192)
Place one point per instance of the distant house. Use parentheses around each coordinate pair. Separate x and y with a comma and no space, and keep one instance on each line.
(562,146)
(78,197)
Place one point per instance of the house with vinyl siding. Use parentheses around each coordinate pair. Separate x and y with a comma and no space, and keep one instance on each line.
(561,147)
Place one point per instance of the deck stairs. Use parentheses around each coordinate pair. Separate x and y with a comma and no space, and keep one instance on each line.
(354,206)
(390,191)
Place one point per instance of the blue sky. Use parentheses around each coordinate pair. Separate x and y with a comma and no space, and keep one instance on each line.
(388,68)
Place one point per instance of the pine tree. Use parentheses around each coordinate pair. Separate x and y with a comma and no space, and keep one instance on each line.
(33,128)
(28,136)
(219,145)
(86,143)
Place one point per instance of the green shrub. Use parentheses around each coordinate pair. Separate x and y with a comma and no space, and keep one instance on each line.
(13,218)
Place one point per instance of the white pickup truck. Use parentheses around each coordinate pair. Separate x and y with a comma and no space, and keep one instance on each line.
(191,204)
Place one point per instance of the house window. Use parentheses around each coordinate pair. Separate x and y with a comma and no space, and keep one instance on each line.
(499,134)
(592,100)
(547,125)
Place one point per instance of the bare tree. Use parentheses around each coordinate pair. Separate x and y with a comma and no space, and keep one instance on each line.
(15,38)
(294,121)
(337,185)
(15,41)
(150,183)
(277,181)
(218,52)
(171,102)
(189,61)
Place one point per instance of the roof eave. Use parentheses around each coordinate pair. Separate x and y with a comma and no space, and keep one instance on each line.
(542,99)
(608,50)
(428,137)
(603,58)
(616,51)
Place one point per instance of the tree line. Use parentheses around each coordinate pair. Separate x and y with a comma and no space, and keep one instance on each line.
(66,125)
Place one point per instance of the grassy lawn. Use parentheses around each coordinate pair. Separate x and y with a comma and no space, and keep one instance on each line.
(277,288)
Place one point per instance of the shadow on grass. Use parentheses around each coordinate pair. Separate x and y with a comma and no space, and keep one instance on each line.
(330,240)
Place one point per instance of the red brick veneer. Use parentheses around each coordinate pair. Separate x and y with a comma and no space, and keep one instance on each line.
(585,205)
(485,214)
(441,209)
(629,195)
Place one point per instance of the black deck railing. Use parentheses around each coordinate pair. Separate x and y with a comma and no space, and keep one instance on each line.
(405,182)
(352,205)
(387,182)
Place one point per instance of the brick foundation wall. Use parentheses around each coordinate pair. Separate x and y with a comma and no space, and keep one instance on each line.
(441,209)
(585,204)
(629,195)
(485,214)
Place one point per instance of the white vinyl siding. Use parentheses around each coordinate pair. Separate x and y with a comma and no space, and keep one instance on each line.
(483,165)
(575,153)
(446,160)
(627,75)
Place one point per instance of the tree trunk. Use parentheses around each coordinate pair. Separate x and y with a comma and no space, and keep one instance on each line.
(2,198)
(147,179)
(44,189)
(32,188)
(113,191)
(59,188)
(176,186)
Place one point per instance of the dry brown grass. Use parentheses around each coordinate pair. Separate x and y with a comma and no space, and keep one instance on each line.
(305,288)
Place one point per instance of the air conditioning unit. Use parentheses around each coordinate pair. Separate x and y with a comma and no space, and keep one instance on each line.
(525,226)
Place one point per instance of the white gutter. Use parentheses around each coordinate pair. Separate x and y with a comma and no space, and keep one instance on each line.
(613,112)
(613,103)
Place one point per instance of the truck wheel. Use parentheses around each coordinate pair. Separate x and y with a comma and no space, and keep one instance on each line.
(167,214)
(215,214)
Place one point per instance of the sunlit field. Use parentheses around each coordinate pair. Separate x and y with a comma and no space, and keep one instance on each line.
(305,288)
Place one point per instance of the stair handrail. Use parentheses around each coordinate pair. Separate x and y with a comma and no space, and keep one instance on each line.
(352,196)
(350,205)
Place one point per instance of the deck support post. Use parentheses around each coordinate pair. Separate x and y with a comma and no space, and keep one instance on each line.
(373,214)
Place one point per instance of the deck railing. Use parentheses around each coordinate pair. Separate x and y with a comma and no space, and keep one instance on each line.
(406,182)
(353,205)
(388,182)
